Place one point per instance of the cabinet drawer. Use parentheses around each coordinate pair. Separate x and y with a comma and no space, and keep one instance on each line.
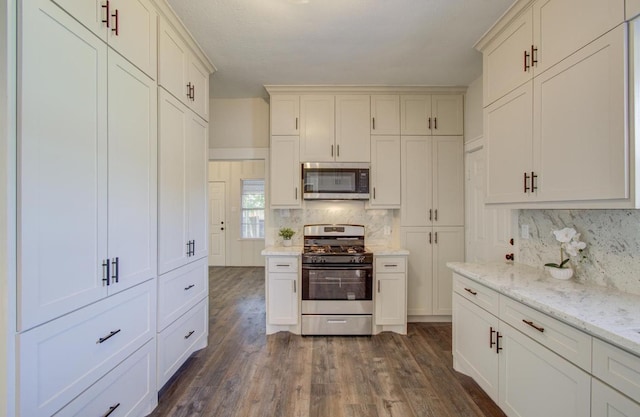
(62,358)
(283,264)
(337,325)
(476,293)
(181,339)
(181,289)
(390,264)
(616,367)
(566,341)
(130,389)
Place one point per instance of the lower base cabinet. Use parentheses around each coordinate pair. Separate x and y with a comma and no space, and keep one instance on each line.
(390,294)
(282,293)
(128,390)
(607,402)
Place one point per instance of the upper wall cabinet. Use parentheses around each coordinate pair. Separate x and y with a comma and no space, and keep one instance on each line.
(632,9)
(385,114)
(317,128)
(352,128)
(440,115)
(129,27)
(537,39)
(181,73)
(285,115)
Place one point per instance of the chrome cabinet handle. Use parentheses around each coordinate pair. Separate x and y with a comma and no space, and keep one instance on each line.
(336,321)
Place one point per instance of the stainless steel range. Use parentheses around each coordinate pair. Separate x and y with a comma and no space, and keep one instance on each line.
(337,281)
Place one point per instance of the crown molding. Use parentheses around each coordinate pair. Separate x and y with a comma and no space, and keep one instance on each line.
(516,10)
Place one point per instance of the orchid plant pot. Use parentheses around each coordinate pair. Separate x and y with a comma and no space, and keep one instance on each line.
(560,273)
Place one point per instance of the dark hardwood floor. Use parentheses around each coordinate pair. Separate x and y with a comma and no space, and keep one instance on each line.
(243,372)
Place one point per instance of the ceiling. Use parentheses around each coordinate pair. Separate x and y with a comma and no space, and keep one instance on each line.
(339,42)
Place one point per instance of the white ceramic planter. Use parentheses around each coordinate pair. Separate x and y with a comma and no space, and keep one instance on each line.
(560,273)
(286,242)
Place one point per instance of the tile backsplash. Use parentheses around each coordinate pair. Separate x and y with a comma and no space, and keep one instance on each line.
(330,212)
(612,237)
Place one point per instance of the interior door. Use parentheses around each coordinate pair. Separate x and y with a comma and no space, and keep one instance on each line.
(217,223)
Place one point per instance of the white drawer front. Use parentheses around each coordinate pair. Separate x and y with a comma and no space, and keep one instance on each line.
(283,264)
(607,402)
(181,289)
(62,358)
(476,293)
(616,367)
(566,341)
(182,338)
(128,390)
(390,264)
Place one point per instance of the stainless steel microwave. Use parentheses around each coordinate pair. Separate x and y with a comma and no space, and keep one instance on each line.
(335,181)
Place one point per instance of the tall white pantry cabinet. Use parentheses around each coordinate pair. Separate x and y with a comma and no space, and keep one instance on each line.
(90,209)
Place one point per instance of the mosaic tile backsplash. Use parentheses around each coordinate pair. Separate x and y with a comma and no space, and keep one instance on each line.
(612,237)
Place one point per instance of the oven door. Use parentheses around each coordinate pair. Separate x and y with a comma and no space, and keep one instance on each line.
(338,282)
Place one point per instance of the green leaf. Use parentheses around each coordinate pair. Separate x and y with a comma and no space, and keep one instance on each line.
(553,265)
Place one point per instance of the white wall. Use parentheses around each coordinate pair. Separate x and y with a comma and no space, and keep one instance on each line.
(473,123)
(239,123)
(238,252)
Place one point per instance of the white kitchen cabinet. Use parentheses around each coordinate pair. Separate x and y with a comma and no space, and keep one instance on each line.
(285,115)
(182,231)
(617,368)
(282,291)
(130,389)
(180,72)
(535,40)
(109,245)
(474,343)
(391,291)
(353,135)
(285,171)
(432,181)
(129,27)
(607,402)
(385,114)
(180,290)
(431,115)
(428,278)
(529,372)
(99,336)
(632,9)
(317,128)
(385,172)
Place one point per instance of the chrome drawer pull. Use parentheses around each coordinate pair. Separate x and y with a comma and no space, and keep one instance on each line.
(530,323)
(109,336)
(469,290)
(111,410)
(336,322)
(189,334)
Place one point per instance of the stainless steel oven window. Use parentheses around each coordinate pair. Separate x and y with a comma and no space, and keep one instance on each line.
(337,283)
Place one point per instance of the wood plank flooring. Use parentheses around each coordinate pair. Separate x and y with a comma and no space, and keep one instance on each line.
(244,373)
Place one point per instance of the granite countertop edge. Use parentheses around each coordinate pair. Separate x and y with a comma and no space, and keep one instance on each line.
(608,314)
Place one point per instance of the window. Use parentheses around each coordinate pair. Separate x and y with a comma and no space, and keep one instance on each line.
(252,216)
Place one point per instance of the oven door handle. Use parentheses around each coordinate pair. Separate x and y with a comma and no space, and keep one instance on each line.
(334,267)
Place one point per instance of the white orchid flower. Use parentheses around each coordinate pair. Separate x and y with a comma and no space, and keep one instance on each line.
(565,235)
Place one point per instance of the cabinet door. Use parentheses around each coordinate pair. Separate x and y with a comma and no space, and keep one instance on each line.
(385,171)
(385,115)
(554,19)
(447,115)
(607,402)
(62,165)
(575,160)
(509,133)
(448,181)
(448,246)
(134,28)
(632,9)
(505,62)
(415,112)
(197,145)
(352,128)
(390,299)
(172,178)
(526,372)
(173,62)
(474,349)
(418,241)
(282,298)
(317,128)
(132,206)
(285,115)
(417,180)
(92,14)
(285,172)
(199,78)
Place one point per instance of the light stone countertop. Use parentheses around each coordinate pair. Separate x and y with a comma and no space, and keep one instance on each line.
(297,251)
(608,314)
